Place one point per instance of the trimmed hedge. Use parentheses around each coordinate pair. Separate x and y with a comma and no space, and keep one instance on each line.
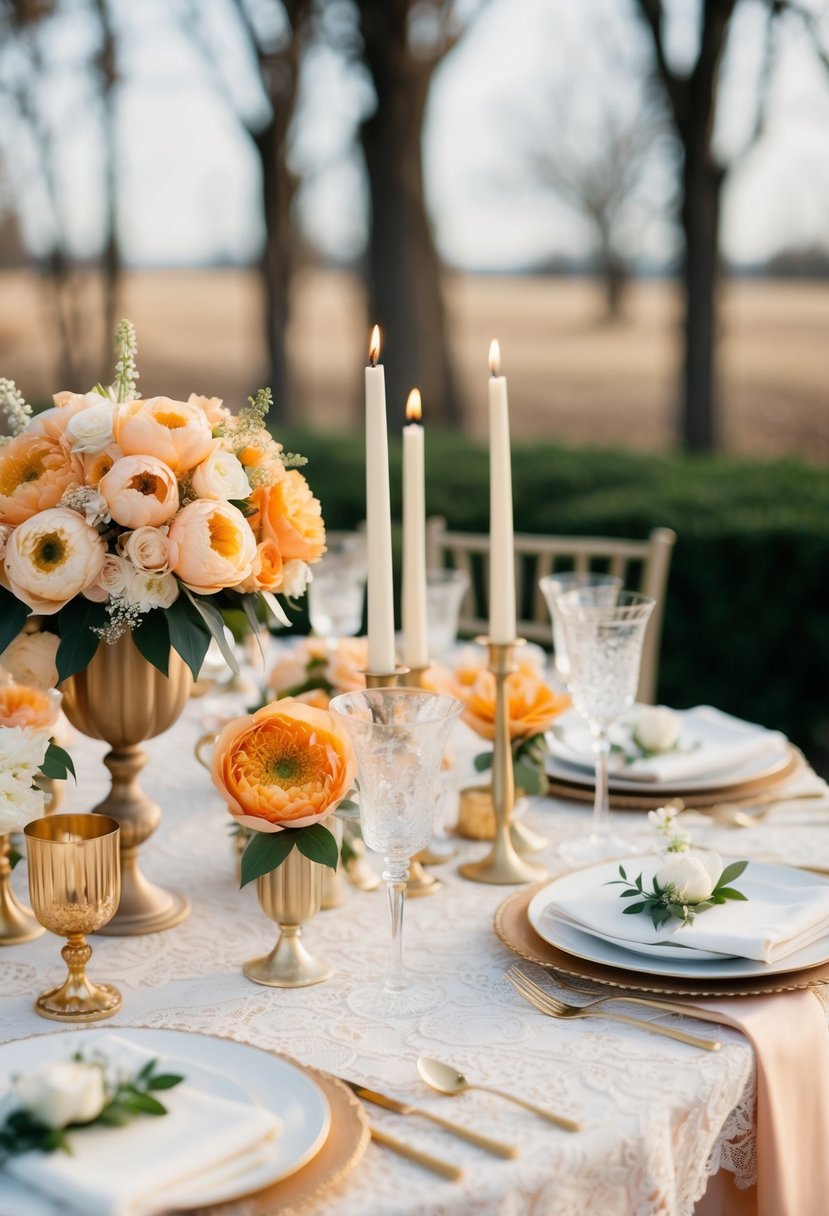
(748,598)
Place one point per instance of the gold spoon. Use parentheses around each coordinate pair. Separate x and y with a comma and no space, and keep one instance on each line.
(447,1080)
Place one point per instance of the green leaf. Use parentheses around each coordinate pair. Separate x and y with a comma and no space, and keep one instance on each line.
(730,893)
(273,609)
(631,908)
(147,1071)
(242,504)
(146,1105)
(13,613)
(189,635)
(622,872)
(318,844)
(14,857)
(730,873)
(482,762)
(152,637)
(249,603)
(265,851)
(214,621)
(529,777)
(628,894)
(164,1080)
(57,762)
(78,643)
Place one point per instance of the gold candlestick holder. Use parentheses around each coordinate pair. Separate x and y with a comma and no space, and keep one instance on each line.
(502,866)
(413,676)
(386,679)
(17,924)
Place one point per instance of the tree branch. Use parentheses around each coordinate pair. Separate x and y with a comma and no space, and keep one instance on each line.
(676,87)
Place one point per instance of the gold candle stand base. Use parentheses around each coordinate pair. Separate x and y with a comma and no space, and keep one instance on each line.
(77,999)
(17,924)
(502,866)
(525,839)
(386,679)
(420,882)
(413,677)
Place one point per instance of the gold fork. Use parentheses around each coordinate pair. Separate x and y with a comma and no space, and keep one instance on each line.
(596,992)
(555,1008)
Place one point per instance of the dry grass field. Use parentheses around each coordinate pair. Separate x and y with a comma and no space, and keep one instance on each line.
(571,377)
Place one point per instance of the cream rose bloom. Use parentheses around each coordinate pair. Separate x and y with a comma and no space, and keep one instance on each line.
(690,877)
(52,557)
(113,579)
(91,429)
(296,576)
(221,476)
(214,547)
(173,431)
(30,659)
(62,1092)
(656,729)
(140,490)
(149,589)
(147,548)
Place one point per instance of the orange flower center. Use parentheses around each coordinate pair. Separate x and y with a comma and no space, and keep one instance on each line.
(147,484)
(28,466)
(273,755)
(172,421)
(224,537)
(49,551)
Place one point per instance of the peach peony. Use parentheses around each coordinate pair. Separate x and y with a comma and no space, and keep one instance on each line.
(213,546)
(266,574)
(140,490)
(53,557)
(287,766)
(35,470)
(347,665)
(176,432)
(212,408)
(97,464)
(532,705)
(30,659)
(28,707)
(288,513)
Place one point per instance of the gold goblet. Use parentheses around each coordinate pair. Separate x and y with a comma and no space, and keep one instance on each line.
(290,896)
(74,886)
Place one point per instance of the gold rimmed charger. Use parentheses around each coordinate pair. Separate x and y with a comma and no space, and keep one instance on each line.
(580,791)
(513,928)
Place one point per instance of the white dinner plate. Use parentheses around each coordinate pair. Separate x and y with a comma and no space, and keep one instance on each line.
(218,1066)
(673,962)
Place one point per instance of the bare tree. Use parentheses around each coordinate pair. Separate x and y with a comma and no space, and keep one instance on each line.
(404,41)
(692,100)
(106,63)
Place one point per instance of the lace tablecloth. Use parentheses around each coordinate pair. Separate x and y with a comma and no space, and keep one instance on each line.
(658,1116)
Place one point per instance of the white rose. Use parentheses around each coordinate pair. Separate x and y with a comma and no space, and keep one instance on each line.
(222,475)
(691,876)
(149,589)
(147,548)
(92,505)
(656,729)
(30,659)
(62,1093)
(90,430)
(20,803)
(115,574)
(296,576)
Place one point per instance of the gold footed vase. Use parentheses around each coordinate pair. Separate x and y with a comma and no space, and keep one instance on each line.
(123,699)
(290,895)
(17,925)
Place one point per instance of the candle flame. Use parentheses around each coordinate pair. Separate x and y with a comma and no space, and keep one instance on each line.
(374,346)
(494,357)
(414,406)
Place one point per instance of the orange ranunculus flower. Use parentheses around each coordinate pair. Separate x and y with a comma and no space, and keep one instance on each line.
(532,705)
(176,432)
(286,766)
(266,574)
(21,705)
(288,513)
(211,546)
(35,470)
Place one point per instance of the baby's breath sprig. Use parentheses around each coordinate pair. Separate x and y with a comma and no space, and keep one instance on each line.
(122,616)
(293,460)
(16,409)
(126,372)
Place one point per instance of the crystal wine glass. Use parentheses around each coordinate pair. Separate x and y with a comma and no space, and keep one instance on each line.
(554,585)
(399,736)
(604,632)
(337,590)
(445,590)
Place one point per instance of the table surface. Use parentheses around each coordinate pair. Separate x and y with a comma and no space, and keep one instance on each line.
(658,1116)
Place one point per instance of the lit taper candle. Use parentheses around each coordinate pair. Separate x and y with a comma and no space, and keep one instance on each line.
(501,547)
(415,640)
(381,656)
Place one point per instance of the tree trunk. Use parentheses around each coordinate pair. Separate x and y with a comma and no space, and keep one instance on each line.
(614,275)
(404,271)
(275,264)
(703,180)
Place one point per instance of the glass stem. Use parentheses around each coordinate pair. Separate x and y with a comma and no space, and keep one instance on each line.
(395,877)
(601,804)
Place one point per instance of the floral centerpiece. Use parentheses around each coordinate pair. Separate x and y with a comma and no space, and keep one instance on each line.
(314,672)
(122,514)
(282,771)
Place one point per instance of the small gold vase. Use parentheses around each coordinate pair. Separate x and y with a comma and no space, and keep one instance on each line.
(290,896)
(123,699)
(17,924)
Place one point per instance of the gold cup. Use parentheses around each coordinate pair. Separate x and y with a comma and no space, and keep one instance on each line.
(290,896)
(17,924)
(74,886)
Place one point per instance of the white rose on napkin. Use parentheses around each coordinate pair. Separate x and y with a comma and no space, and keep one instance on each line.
(63,1092)
(656,729)
(691,876)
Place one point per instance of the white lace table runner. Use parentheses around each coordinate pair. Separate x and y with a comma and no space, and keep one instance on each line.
(658,1116)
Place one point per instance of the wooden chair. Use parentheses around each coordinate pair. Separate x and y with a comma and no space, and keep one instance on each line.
(642,565)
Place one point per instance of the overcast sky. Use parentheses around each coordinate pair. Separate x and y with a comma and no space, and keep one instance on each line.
(527,74)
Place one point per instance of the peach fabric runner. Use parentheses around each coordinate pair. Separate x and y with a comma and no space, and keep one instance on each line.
(791,1046)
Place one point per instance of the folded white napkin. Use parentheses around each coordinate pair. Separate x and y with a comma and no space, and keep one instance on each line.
(781,914)
(132,1171)
(711,742)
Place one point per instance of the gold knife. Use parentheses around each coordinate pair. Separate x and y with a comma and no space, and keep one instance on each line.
(446,1169)
(498,1147)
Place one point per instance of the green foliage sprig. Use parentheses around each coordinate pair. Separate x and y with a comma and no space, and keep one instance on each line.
(663,904)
